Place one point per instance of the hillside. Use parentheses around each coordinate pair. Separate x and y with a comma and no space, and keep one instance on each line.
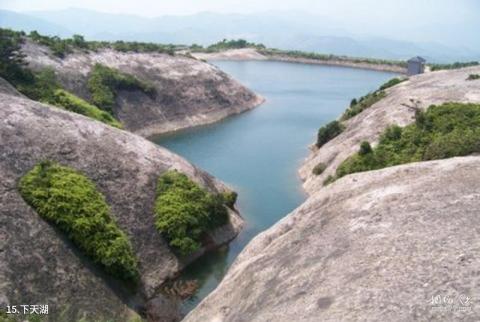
(398,243)
(188,92)
(38,261)
(285,29)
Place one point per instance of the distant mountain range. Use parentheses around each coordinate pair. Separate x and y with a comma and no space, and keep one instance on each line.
(284,30)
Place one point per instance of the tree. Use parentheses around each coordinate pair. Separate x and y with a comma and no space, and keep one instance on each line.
(11,58)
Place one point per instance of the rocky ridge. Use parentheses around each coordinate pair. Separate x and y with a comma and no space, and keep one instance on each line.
(37,263)
(189,92)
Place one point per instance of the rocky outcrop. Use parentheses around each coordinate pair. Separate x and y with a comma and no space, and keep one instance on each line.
(398,107)
(395,244)
(374,246)
(189,92)
(37,264)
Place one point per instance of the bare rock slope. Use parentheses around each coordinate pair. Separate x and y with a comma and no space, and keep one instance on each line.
(189,92)
(374,246)
(397,244)
(419,91)
(37,264)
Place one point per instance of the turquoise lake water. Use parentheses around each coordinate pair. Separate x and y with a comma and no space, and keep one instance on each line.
(258,153)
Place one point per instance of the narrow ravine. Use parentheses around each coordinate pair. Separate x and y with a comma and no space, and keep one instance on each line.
(259,152)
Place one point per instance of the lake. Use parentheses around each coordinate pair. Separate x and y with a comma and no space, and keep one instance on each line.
(258,153)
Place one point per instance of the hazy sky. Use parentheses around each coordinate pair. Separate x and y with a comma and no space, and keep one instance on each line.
(349,9)
(416,20)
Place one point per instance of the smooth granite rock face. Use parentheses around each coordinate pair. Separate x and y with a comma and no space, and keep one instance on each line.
(37,264)
(190,92)
(373,246)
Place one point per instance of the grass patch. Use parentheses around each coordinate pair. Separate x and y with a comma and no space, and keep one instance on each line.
(72,103)
(473,77)
(328,132)
(105,82)
(184,211)
(444,131)
(70,201)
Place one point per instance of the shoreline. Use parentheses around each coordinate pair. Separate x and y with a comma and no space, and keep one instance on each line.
(250,54)
(152,132)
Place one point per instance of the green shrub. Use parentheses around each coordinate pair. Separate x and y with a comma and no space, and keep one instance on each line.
(184,211)
(104,83)
(328,132)
(362,104)
(444,131)
(72,103)
(70,201)
(41,87)
(319,168)
(392,82)
(230,198)
(365,148)
(473,77)
(456,65)
(328,180)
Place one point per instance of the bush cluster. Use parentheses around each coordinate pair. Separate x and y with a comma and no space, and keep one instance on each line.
(230,198)
(456,65)
(444,131)
(225,45)
(319,168)
(104,83)
(364,102)
(392,82)
(184,211)
(62,47)
(70,201)
(473,77)
(359,105)
(328,132)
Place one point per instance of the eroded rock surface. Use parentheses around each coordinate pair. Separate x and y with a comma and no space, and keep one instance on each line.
(37,264)
(373,246)
(189,92)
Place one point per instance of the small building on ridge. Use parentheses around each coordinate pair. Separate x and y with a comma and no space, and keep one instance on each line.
(416,65)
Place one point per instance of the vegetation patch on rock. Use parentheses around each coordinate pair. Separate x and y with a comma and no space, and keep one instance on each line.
(392,82)
(72,203)
(473,77)
(42,85)
(364,102)
(105,82)
(444,131)
(319,168)
(328,132)
(70,102)
(359,105)
(184,211)
(456,65)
